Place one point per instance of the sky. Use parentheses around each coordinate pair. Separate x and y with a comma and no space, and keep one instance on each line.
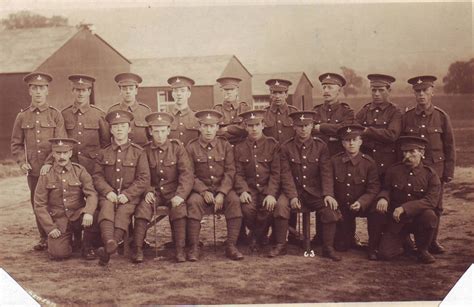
(401,39)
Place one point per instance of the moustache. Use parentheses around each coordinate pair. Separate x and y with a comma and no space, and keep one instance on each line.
(62,160)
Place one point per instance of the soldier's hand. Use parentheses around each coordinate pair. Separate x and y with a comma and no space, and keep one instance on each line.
(55,233)
(45,169)
(150,198)
(269,202)
(25,167)
(245,198)
(355,206)
(397,213)
(111,196)
(218,202)
(87,220)
(122,199)
(176,201)
(382,205)
(208,197)
(331,202)
(295,204)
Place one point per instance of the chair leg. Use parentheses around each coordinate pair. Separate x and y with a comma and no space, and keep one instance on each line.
(306,231)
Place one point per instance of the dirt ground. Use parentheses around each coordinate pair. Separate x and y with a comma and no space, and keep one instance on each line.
(215,280)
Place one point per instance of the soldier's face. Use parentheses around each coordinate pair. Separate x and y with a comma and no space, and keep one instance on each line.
(380,94)
(303,132)
(208,131)
(62,157)
(181,95)
(160,134)
(331,92)
(128,93)
(352,145)
(278,97)
(413,157)
(81,95)
(255,131)
(230,94)
(38,93)
(423,96)
(120,131)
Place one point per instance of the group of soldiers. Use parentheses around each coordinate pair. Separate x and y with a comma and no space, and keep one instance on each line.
(94,174)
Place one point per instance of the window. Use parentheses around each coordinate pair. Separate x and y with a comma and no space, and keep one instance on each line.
(260,102)
(163,100)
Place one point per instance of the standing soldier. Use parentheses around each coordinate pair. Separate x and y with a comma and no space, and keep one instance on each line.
(330,116)
(185,126)
(307,179)
(356,184)
(231,127)
(434,125)
(32,129)
(66,202)
(121,176)
(410,194)
(128,85)
(172,179)
(257,179)
(214,171)
(382,121)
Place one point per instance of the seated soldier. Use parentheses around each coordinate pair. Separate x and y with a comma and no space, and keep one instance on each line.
(172,179)
(121,176)
(410,195)
(307,179)
(257,179)
(214,171)
(356,184)
(66,202)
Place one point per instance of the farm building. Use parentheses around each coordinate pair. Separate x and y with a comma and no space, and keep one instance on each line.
(59,51)
(300,93)
(204,70)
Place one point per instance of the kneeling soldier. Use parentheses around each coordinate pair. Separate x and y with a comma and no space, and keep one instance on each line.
(356,184)
(411,194)
(65,202)
(172,179)
(257,178)
(307,179)
(214,171)
(121,176)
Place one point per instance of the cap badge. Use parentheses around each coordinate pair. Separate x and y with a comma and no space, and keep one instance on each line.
(208,116)
(39,78)
(159,117)
(117,115)
(302,117)
(80,81)
(252,116)
(348,130)
(177,80)
(419,81)
(60,143)
(328,77)
(277,83)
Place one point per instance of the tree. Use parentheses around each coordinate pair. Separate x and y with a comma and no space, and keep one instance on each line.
(26,20)
(459,78)
(353,82)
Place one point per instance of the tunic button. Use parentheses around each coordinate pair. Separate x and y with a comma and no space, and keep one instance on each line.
(63,172)
(161,188)
(349,174)
(64,180)
(279,131)
(162,179)
(118,169)
(304,147)
(65,200)
(37,131)
(411,174)
(374,150)
(422,126)
(79,133)
(118,160)
(161,151)
(37,112)
(210,166)
(381,164)
(78,152)
(377,111)
(304,176)
(348,194)
(304,166)
(37,141)
(180,133)
(39,151)
(422,135)
(64,190)
(37,121)
(256,165)
(80,113)
(329,110)
(210,158)
(348,184)
(409,184)
(254,146)
(304,185)
(408,194)
(212,177)
(304,157)
(79,143)
(118,180)
(161,161)
(180,124)
(80,124)
(161,171)
(258,185)
(258,175)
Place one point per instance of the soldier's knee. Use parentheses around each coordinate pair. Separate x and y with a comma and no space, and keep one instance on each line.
(177,213)
(282,210)
(329,216)
(428,219)
(60,248)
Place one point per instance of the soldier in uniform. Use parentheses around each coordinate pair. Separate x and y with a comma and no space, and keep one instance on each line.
(185,126)
(85,123)
(330,116)
(430,122)
(382,120)
(32,129)
(121,176)
(214,171)
(231,125)
(356,184)
(66,203)
(257,179)
(128,85)
(307,179)
(410,194)
(172,179)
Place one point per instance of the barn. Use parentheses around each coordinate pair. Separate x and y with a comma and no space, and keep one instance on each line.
(59,51)
(204,70)
(300,93)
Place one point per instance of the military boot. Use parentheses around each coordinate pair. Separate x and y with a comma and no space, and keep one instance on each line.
(179,234)
(193,228)
(138,238)
(281,230)
(329,231)
(41,245)
(435,246)
(87,250)
(233,228)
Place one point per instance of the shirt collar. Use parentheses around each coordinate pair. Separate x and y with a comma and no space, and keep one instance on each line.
(205,144)
(126,107)
(163,146)
(229,106)
(306,143)
(382,106)
(282,108)
(258,142)
(355,160)
(183,112)
(58,168)
(115,146)
(419,110)
(84,108)
(333,106)
(41,108)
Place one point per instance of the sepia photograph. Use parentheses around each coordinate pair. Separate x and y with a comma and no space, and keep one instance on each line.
(236,152)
